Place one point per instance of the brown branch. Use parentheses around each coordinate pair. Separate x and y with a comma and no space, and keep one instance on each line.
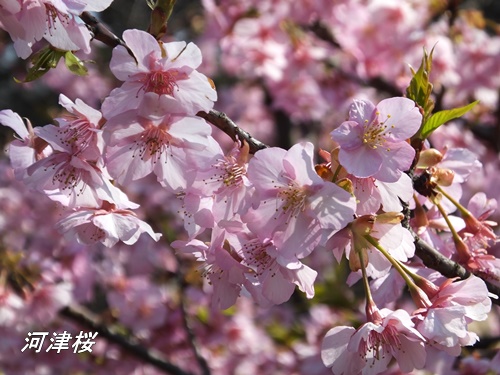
(102,33)
(87,319)
(447,267)
(224,123)
(191,337)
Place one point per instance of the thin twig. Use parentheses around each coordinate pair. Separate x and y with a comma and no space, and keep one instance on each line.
(102,33)
(191,337)
(224,123)
(86,318)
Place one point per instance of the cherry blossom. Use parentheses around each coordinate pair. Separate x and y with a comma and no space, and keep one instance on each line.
(373,140)
(454,306)
(386,229)
(227,182)
(164,74)
(293,199)
(107,224)
(369,348)
(271,280)
(54,20)
(66,177)
(252,228)
(171,147)
(26,150)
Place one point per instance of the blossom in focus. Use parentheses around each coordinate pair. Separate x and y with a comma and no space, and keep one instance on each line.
(221,267)
(171,147)
(370,348)
(453,307)
(294,200)
(272,282)
(54,20)
(226,180)
(373,140)
(371,194)
(163,73)
(80,129)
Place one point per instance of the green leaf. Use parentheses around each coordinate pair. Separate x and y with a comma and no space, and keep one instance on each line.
(42,61)
(441,117)
(74,64)
(420,88)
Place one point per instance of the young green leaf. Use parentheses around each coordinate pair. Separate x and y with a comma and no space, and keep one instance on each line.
(42,62)
(74,64)
(441,117)
(420,88)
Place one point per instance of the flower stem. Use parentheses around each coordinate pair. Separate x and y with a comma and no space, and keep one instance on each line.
(419,296)
(462,250)
(336,174)
(457,204)
(454,233)
(393,261)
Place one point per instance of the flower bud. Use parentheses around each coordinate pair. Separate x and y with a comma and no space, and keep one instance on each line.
(324,171)
(442,176)
(429,158)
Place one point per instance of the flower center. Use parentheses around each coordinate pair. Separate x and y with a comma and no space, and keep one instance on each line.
(66,175)
(380,344)
(375,133)
(162,82)
(77,136)
(255,255)
(151,144)
(228,172)
(53,15)
(293,198)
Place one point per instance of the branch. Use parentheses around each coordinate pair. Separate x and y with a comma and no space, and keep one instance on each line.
(102,33)
(224,123)
(447,267)
(187,327)
(86,318)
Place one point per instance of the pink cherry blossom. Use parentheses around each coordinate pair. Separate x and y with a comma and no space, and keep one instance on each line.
(226,180)
(293,199)
(221,267)
(26,150)
(54,20)
(107,224)
(165,73)
(373,140)
(67,178)
(80,129)
(370,348)
(271,280)
(478,232)
(170,147)
(391,236)
(372,194)
(454,306)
